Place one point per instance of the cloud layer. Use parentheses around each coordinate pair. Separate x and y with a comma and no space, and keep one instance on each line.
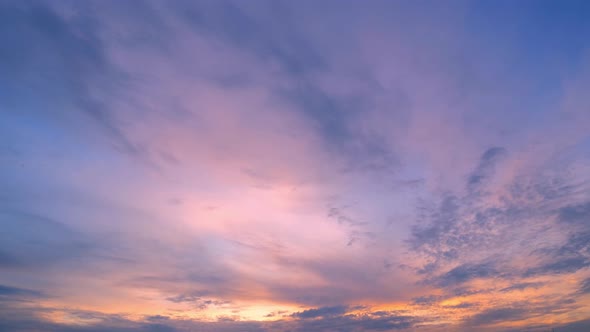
(282,166)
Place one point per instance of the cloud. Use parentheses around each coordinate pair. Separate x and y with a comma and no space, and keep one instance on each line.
(29,240)
(320,319)
(498,315)
(559,266)
(523,310)
(579,326)
(233,24)
(467,272)
(572,254)
(206,164)
(8,292)
(430,237)
(321,312)
(348,323)
(197,300)
(63,62)
(575,214)
(585,286)
(462,240)
(522,286)
(426,300)
(334,320)
(463,305)
(486,165)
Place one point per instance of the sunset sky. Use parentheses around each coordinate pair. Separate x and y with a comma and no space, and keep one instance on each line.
(325,165)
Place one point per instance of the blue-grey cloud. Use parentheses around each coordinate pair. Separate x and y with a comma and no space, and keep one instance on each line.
(286,44)
(486,165)
(579,326)
(29,240)
(575,214)
(467,272)
(497,315)
(585,286)
(574,253)
(197,300)
(9,292)
(456,228)
(321,312)
(227,21)
(520,311)
(427,300)
(522,286)
(430,237)
(50,66)
(463,305)
(559,266)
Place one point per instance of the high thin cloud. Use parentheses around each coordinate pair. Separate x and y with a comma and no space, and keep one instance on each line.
(294,166)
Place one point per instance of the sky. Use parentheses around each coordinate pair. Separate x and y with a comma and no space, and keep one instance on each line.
(258,166)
